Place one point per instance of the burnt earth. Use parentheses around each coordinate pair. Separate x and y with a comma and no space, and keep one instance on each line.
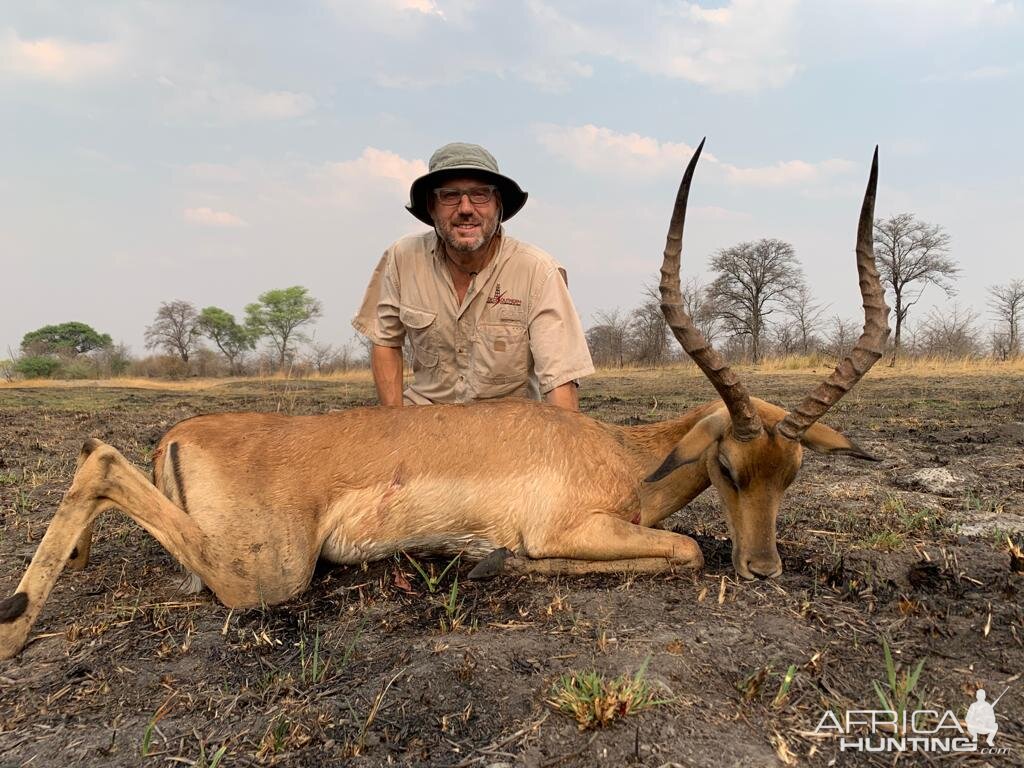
(369,668)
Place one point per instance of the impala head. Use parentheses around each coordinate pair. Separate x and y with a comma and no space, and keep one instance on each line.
(752,449)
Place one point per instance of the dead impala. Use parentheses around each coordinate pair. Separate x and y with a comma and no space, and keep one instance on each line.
(249,502)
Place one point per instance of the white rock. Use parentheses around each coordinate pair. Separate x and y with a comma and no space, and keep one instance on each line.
(936,480)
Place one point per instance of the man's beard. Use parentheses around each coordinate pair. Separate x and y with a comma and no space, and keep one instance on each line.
(446,232)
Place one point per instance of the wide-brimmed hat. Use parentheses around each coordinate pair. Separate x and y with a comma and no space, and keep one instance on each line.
(458,159)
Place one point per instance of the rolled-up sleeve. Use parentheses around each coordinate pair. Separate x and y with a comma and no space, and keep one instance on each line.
(557,341)
(377,318)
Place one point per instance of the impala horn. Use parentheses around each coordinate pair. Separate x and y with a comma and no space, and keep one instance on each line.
(869,346)
(746,424)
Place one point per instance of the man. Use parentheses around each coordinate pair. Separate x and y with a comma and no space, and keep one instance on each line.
(487,315)
(981,718)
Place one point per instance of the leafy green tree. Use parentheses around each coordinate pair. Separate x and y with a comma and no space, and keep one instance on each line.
(279,314)
(231,338)
(64,338)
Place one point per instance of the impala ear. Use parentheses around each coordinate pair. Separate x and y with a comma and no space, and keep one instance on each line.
(705,432)
(822,439)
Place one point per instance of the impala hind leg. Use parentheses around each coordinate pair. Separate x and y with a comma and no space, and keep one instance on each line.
(604,543)
(104,480)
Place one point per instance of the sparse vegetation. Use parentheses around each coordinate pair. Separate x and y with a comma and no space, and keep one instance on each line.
(595,701)
(896,692)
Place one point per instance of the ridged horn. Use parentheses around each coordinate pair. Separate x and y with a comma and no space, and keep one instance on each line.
(869,346)
(746,424)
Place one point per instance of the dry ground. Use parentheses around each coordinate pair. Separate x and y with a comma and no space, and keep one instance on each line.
(370,668)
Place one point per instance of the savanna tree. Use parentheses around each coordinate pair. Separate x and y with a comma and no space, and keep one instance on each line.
(911,255)
(175,329)
(754,280)
(231,338)
(71,338)
(1006,302)
(607,338)
(278,315)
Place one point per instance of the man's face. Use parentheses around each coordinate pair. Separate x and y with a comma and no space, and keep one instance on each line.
(466,226)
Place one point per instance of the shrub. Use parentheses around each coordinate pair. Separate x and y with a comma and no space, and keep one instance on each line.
(37,366)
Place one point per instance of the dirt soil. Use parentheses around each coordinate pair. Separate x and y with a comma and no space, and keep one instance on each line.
(369,668)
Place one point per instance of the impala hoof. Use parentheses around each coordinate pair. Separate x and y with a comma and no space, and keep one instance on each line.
(13,607)
(492,565)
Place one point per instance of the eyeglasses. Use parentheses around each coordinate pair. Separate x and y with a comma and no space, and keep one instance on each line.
(450,196)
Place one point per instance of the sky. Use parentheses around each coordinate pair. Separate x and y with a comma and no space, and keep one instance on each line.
(208,152)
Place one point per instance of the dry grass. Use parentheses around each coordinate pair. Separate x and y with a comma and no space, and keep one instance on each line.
(806,364)
(182,385)
(795,364)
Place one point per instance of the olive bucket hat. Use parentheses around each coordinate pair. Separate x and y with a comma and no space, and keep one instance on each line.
(458,159)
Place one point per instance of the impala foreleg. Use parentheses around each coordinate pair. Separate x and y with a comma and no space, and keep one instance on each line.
(79,557)
(603,543)
(104,480)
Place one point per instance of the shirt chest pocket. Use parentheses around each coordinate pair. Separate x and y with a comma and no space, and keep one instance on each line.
(501,357)
(420,326)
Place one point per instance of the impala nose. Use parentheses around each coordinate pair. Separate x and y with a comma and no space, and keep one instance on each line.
(758,567)
(764,568)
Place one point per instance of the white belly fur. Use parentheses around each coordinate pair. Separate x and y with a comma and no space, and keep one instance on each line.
(437,516)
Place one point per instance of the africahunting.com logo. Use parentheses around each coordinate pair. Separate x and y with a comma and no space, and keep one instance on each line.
(916,730)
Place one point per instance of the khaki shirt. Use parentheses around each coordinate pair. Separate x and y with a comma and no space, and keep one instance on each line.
(516,333)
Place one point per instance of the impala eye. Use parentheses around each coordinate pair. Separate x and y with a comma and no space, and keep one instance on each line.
(727,472)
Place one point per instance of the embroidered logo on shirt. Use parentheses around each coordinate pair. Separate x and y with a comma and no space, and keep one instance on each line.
(499,297)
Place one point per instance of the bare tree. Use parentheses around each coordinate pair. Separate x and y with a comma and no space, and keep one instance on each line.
(648,331)
(785,338)
(806,314)
(840,336)
(325,358)
(1006,302)
(699,304)
(175,329)
(911,255)
(608,338)
(754,280)
(949,333)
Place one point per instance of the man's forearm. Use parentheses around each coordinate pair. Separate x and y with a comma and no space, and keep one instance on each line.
(564,396)
(387,366)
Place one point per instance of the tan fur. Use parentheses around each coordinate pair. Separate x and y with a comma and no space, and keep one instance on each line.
(268,495)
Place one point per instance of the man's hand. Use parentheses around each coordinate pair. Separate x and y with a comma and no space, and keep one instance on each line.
(387,366)
(564,396)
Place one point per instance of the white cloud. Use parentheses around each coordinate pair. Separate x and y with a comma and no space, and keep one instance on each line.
(604,151)
(207,217)
(716,213)
(931,15)
(375,180)
(744,45)
(426,7)
(376,163)
(216,173)
(784,173)
(987,73)
(235,102)
(253,104)
(56,60)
